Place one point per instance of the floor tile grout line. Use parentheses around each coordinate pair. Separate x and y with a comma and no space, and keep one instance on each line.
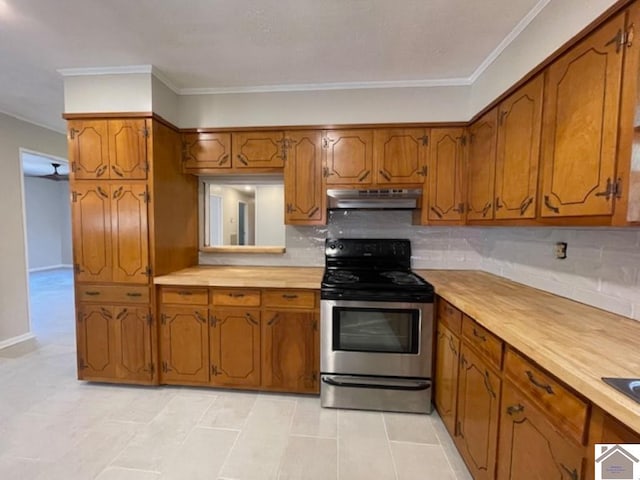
(386,433)
(226,458)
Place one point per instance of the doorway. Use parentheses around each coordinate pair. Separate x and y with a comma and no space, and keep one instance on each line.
(243,223)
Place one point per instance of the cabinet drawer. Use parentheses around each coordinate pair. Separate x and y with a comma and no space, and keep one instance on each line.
(112,293)
(238,297)
(184,296)
(563,407)
(289,299)
(450,316)
(483,340)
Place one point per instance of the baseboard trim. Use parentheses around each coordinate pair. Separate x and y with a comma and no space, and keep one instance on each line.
(14,340)
(50,267)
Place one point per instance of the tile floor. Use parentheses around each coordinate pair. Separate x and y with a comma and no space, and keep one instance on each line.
(55,427)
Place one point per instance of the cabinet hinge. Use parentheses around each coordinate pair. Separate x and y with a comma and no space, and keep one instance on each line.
(149,319)
(146,197)
(152,368)
(163,318)
(147,271)
(72,133)
(616,189)
(145,132)
(165,367)
(325,142)
(81,364)
(214,370)
(424,139)
(463,140)
(73,167)
(315,325)
(74,197)
(77,268)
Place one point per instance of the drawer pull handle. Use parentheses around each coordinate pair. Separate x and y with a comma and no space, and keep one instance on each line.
(453,347)
(289,296)
(573,473)
(513,409)
(479,335)
(487,384)
(91,293)
(201,318)
(134,294)
(251,319)
(546,387)
(273,320)
(236,295)
(185,293)
(122,313)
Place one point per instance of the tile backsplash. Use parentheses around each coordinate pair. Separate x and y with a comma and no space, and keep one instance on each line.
(602,267)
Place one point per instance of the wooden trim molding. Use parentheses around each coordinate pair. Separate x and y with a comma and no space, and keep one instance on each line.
(243,249)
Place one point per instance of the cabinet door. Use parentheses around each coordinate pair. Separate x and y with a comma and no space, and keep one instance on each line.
(96,342)
(304,196)
(133,355)
(129,233)
(88,149)
(128,148)
(91,215)
(446,376)
(258,150)
(581,126)
(446,165)
(478,410)
(235,347)
(348,157)
(518,155)
(481,167)
(530,447)
(400,156)
(184,349)
(290,357)
(206,151)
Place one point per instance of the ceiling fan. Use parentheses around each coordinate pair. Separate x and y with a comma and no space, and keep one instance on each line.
(55,175)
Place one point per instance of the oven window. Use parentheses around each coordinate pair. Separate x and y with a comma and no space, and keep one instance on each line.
(376,330)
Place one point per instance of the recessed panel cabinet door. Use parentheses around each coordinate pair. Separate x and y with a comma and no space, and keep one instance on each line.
(290,358)
(478,410)
(348,157)
(304,196)
(91,214)
(446,165)
(96,342)
(446,376)
(130,233)
(481,167)
(184,351)
(530,447)
(206,151)
(518,153)
(88,149)
(235,347)
(132,327)
(400,155)
(128,148)
(258,150)
(581,126)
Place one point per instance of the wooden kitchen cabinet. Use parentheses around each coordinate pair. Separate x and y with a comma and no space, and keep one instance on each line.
(110,232)
(115,342)
(184,345)
(518,152)
(446,376)
(255,151)
(581,112)
(531,448)
(443,192)
(400,156)
(206,151)
(477,413)
(108,149)
(481,165)
(304,197)
(348,157)
(235,347)
(290,356)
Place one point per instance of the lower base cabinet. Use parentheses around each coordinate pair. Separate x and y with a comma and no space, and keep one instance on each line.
(446,376)
(531,448)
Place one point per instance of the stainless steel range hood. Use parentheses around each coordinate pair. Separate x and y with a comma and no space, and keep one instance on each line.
(377,199)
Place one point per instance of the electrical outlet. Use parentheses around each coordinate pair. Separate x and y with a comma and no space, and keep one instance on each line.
(561,250)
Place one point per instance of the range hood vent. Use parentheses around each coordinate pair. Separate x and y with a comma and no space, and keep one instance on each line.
(375,199)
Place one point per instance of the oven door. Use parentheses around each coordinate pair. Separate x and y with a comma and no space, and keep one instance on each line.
(376,338)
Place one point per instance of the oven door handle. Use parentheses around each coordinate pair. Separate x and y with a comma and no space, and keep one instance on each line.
(404,385)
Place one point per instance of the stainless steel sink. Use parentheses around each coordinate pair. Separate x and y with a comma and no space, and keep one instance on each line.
(629,386)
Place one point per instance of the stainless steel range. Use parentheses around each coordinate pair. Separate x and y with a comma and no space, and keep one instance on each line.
(376,328)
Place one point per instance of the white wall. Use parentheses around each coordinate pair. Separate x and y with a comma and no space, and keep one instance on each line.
(14,319)
(270,213)
(108,93)
(48,222)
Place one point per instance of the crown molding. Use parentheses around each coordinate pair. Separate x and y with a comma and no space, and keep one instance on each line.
(31,122)
(118,70)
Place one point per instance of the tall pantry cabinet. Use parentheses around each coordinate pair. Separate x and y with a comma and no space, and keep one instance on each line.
(132,218)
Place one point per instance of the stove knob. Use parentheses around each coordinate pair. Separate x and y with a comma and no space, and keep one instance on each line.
(332,246)
(340,246)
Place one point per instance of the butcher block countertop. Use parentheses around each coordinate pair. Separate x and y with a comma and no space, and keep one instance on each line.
(245,276)
(576,343)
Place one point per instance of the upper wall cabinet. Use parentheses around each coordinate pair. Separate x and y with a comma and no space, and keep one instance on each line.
(444,189)
(304,196)
(206,151)
(400,155)
(580,129)
(481,167)
(518,152)
(253,150)
(348,157)
(108,149)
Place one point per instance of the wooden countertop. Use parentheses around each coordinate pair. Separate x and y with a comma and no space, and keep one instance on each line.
(245,276)
(577,343)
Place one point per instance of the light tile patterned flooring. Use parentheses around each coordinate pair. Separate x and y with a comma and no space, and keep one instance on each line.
(55,427)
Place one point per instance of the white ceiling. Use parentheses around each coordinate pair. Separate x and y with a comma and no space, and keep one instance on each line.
(240,44)
(37,165)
